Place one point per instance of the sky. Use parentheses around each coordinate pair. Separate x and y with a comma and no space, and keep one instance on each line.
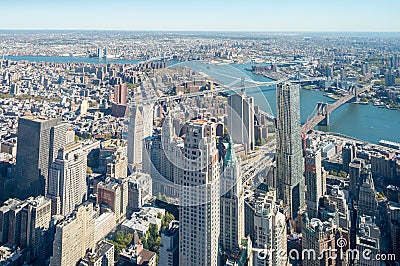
(206,15)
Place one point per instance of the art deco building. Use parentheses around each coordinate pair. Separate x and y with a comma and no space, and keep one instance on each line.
(232,202)
(200,197)
(315,185)
(140,126)
(67,179)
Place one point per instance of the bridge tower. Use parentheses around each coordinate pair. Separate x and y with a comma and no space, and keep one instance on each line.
(322,110)
(355,94)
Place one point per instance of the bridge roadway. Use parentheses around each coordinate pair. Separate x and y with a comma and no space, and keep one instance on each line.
(310,124)
(257,167)
(259,161)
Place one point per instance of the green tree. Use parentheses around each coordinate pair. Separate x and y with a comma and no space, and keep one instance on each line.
(121,242)
(168,217)
(89,170)
(342,174)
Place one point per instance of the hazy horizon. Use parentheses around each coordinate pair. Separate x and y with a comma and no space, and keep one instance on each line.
(221,16)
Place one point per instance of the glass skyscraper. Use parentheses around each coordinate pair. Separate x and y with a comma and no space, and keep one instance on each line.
(289,157)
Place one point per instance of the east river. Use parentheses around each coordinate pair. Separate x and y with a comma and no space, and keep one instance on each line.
(365,122)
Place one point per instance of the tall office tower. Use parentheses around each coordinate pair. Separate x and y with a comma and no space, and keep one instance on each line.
(268,232)
(334,204)
(390,79)
(200,197)
(289,154)
(14,226)
(169,248)
(232,202)
(354,175)
(38,138)
(67,179)
(315,185)
(368,199)
(385,166)
(120,93)
(152,155)
(27,223)
(100,52)
(162,159)
(119,107)
(365,69)
(140,126)
(170,155)
(349,153)
(368,241)
(241,120)
(318,237)
(114,194)
(60,136)
(74,237)
(5,211)
(35,223)
(329,71)
(135,202)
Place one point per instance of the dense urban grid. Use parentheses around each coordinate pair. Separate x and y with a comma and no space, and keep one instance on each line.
(123,148)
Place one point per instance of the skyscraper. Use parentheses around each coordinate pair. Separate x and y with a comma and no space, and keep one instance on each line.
(120,93)
(334,206)
(162,159)
(232,202)
(140,126)
(314,183)
(169,248)
(35,223)
(67,179)
(5,211)
(318,237)
(74,236)
(59,135)
(38,138)
(241,119)
(119,107)
(368,199)
(354,175)
(27,223)
(200,197)
(368,241)
(267,227)
(348,155)
(289,154)
(114,194)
